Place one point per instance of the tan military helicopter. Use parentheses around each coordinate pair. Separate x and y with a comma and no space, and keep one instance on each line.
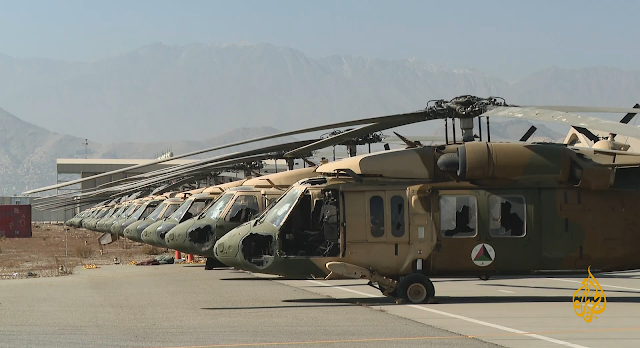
(234,207)
(401,217)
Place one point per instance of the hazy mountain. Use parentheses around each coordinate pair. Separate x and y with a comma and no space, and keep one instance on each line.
(190,92)
(160,96)
(159,91)
(28,153)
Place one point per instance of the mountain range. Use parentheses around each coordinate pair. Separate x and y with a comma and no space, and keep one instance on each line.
(189,97)
(195,91)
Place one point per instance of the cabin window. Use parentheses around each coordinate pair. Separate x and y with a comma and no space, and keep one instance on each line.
(376,218)
(397,216)
(458,216)
(244,209)
(507,216)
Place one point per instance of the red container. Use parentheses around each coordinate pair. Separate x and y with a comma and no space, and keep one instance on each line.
(15,221)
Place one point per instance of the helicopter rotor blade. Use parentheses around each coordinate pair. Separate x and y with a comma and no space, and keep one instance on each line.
(598,109)
(529,133)
(409,143)
(423,114)
(587,133)
(354,133)
(628,117)
(182,167)
(546,115)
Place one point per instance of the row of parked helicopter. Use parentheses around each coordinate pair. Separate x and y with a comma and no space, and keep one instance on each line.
(401,217)
(189,221)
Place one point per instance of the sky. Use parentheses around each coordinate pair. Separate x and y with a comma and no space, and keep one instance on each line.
(506,39)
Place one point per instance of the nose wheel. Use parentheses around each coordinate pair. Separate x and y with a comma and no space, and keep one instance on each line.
(416,288)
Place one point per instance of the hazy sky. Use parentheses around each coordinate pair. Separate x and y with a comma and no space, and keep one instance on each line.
(508,39)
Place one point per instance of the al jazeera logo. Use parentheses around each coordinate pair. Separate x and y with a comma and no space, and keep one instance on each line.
(589,299)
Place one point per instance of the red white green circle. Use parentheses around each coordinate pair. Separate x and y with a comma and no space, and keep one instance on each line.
(483,255)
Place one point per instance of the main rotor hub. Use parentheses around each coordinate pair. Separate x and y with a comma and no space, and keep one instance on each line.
(465,108)
(462,107)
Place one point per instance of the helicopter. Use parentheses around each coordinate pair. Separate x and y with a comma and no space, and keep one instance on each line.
(192,206)
(161,212)
(197,235)
(144,209)
(470,208)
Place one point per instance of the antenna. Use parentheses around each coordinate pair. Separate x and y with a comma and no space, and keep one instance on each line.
(86,144)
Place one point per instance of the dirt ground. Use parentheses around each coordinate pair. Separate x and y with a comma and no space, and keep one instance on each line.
(47,254)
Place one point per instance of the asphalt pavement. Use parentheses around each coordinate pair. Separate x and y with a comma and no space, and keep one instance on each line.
(187,306)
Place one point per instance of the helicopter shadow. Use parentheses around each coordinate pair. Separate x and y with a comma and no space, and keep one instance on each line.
(257,278)
(557,288)
(381,301)
(279,307)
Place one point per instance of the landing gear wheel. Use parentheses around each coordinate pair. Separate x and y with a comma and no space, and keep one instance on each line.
(484,277)
(416,288)
(212,263)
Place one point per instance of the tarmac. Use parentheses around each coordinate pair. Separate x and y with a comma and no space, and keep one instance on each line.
(185,306)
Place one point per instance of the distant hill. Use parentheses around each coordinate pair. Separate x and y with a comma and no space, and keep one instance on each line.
(191,92)
(28,153)
(184,98)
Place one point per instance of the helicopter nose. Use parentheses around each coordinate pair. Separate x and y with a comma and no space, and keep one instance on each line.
(176,237)
(226,249)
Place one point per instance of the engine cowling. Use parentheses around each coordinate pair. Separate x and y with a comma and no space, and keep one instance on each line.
(480,161)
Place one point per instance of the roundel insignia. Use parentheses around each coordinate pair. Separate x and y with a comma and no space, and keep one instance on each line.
(483,254)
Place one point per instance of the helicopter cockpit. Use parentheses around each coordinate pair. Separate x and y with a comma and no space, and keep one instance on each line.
(308,222)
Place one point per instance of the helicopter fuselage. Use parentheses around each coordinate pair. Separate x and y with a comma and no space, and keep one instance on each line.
(554,210)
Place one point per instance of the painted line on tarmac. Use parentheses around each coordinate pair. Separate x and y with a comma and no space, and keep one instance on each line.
(296,343)
(475,321)
(611,286)
(507,291)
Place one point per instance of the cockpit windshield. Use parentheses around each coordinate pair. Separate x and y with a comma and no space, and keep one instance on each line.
(118,212)
(154,214)
(170,209)
(279,211)
(143,210)
(110,213)
(183,209)
(129,211)
(216,209)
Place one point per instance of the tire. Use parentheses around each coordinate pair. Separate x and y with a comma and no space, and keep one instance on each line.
(416,288)
(212,263)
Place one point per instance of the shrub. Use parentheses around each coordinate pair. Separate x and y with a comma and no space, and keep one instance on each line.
(151,250)
(83,251)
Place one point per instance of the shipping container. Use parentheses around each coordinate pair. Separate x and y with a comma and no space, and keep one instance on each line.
(15,221)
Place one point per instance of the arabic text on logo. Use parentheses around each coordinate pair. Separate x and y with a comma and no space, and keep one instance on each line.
(589,299)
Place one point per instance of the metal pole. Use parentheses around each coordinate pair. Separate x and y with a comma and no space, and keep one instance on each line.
(453,127)
(66,249)
(480,126)
(488,132)
(446,132)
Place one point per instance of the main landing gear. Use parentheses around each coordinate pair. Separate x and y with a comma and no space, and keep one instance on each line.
(415,288)
(212,263)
